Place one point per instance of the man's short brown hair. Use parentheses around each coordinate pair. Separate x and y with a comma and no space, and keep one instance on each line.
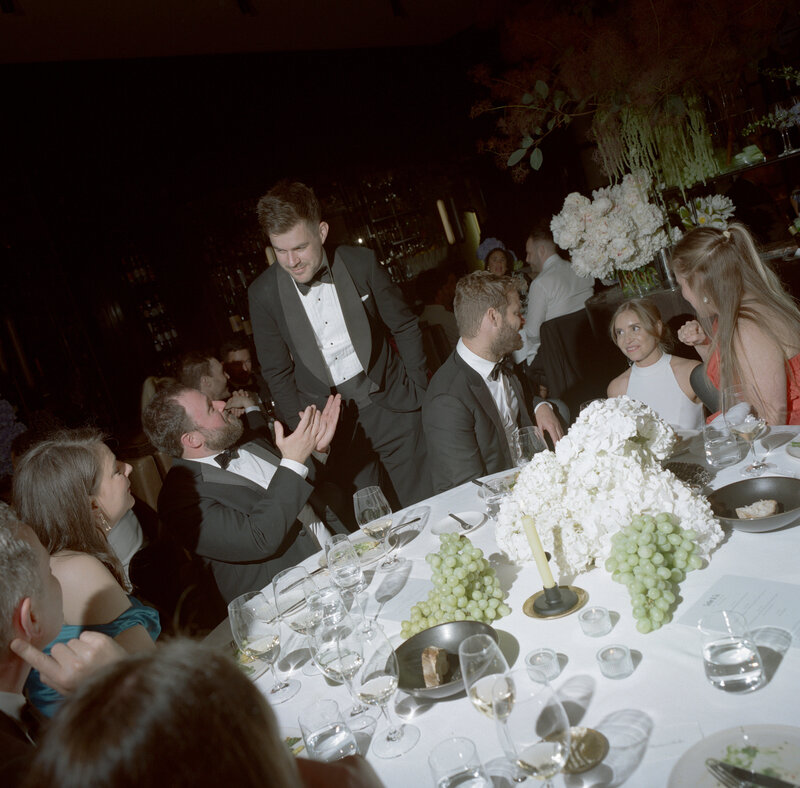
(476,293)
(286,204)
(165,420)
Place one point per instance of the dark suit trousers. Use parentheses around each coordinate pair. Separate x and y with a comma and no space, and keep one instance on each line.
(371,436)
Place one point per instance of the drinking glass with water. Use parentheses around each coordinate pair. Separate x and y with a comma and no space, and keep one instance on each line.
(325,733)
(730,656)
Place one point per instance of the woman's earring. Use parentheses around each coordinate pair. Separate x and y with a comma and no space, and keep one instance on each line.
(705,299)
(105,526)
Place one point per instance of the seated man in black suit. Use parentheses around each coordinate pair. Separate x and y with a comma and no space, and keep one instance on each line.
(31,615)
(243,512)
(473,403)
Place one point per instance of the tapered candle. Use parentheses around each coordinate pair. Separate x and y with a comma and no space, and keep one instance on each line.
(448,228)
(538,552)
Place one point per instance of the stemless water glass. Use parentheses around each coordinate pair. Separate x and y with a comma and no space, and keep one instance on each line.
(256,628)
(481,663)
(730,656)
(454,762)
(374,517)
(325,733)
(532,725)
(375,683)
(344,567)
(743,412)
(527,442)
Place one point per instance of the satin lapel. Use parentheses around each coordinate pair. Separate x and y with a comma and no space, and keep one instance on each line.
(355,317)
(481,393)
(524,414)
(303,340)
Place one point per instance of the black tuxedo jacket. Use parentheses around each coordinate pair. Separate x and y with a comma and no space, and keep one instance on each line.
(15,752)
(246,533)
(463,430)
(372,306)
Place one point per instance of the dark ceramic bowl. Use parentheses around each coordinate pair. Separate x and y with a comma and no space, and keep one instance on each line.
(784,490)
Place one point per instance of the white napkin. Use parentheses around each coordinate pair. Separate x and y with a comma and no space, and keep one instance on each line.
(736,414)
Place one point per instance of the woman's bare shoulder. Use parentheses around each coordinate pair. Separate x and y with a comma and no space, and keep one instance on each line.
(91,593)
(619,385)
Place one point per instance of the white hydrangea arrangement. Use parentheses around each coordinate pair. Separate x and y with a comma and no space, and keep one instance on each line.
(618,230)
(603,472)
(713,210)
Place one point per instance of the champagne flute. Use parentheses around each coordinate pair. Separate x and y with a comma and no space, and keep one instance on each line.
(742,410)
(256,628)
(374,517)
(292,588)
(344,567)
(375,683)
(532,725)
(339,654)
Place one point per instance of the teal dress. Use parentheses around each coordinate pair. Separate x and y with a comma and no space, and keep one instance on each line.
(45,698)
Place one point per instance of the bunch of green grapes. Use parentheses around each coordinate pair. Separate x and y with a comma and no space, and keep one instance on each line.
(465,588)
(651,556)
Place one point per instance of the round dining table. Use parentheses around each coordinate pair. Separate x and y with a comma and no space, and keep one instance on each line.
(652,717)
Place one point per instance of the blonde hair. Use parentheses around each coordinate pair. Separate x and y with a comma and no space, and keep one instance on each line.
(724,268)
(649,316)
(476,293)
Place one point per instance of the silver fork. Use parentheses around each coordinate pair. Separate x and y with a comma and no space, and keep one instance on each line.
(720,774)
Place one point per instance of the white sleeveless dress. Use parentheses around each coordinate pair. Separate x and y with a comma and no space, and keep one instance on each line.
(657,387)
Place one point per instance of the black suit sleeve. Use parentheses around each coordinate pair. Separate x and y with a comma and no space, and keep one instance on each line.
(215,527)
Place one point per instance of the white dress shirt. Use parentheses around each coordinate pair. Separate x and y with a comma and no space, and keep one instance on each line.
(11,704)
(555,292)
(500,389)
(261,472)
(322,306)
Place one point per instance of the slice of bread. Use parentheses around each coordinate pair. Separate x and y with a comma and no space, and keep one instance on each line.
(762,508)
(434,666)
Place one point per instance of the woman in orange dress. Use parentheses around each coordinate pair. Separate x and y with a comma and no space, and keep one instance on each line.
(748,327)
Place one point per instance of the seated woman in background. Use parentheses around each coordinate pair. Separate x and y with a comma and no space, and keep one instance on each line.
(654,377)
(72,491)
(183,716)
(748,330)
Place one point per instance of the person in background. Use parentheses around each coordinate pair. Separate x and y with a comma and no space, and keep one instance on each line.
(474,403)
(322,325)
(748,327)
(556,291)
(654,377)
(31,615)
(499,260)
(72,491)
(435,288)
(184,716)
(237,363)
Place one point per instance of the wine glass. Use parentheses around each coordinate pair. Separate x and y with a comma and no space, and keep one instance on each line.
(344,567)
(481,663)
(292,588)
(374,516)
(527,442)
(256,628)
(375,684)
(338,653)
(742,410)
(532,725)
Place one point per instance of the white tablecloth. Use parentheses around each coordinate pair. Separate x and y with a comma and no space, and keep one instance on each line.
(668,683)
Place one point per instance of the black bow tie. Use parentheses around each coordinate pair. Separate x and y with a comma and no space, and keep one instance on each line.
(504,366)
(323,275)
(223,459)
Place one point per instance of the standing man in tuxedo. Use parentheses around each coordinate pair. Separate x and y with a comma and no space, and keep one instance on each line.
(474,401)
(321,325)
(242,510)
(31,615)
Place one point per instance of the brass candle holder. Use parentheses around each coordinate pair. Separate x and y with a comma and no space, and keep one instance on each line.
(555,602)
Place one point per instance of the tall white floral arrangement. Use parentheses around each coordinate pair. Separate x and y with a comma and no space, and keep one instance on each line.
(603,472)
(619,229)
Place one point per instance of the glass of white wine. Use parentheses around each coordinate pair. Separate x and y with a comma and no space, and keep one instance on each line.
(743,410)
(293,587)
(375,683)
(374,517)
(256,628)
(533,728)
(339,654)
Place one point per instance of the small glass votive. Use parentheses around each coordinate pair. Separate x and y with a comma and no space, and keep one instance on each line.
(543,662)
(595,621)
(615,661)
